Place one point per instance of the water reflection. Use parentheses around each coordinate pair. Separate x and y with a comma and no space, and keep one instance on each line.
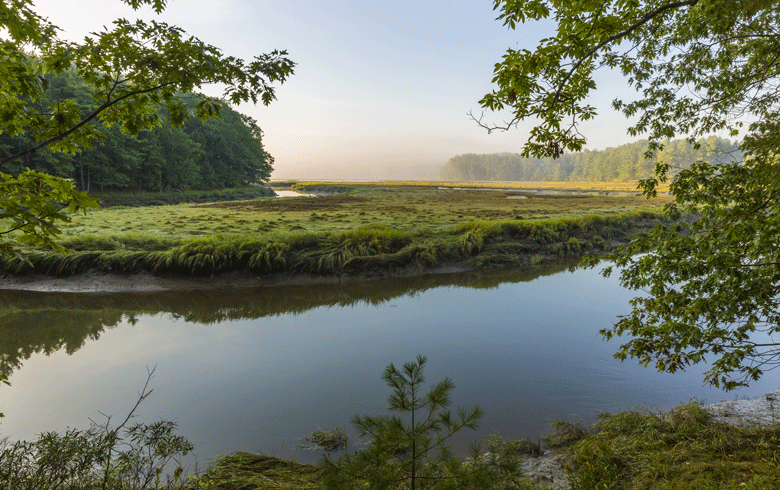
(35,322)
(288,193)
(253,370)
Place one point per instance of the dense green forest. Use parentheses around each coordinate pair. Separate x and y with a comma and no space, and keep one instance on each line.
(625,163)
(220,153)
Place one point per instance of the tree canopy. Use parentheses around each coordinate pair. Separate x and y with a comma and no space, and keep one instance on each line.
(132,70)
(222,152)
(710,286)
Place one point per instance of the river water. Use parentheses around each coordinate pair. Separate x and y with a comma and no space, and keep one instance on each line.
(256,369)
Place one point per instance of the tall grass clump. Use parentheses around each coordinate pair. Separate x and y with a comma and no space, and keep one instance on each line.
(211,255)
(337,250)
(249,471)
(269,258)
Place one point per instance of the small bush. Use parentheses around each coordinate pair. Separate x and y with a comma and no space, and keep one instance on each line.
(408,450)
(134,457)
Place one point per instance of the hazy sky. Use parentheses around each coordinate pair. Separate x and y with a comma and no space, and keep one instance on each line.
(381,88)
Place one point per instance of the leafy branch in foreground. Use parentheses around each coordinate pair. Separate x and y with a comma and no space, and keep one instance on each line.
(410,450)
(131,69)
(33,203)
(711,286)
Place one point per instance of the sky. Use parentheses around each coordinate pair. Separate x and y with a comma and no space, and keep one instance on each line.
(381,89)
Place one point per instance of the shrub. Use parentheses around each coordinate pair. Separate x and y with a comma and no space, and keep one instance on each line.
(134,457)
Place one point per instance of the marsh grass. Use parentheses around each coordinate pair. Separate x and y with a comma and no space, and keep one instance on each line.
(377,231)
(368,249)
(679,449)
(403,209)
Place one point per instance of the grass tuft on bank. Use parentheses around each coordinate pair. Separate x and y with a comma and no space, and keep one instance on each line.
(243,470)
(679,449)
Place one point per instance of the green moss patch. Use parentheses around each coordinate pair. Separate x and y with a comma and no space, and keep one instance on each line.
(679,449)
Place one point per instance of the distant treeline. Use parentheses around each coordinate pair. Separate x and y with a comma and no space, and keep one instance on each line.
(221,153)
(623,164)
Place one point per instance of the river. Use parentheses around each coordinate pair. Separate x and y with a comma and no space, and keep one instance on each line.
(256,369)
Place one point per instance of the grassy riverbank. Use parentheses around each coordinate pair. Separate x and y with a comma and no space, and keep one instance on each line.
(680,449)
(635,450)
(372,230)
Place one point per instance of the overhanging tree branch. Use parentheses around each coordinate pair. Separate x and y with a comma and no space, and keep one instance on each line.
(644,20)
(83,122)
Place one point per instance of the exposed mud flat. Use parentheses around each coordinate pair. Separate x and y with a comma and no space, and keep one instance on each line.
(144,282)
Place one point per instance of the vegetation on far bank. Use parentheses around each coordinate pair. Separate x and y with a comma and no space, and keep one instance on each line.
(371,230)
(529,185)
(625,163)
(163,198)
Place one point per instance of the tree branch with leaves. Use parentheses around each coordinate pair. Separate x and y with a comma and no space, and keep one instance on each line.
(132,68)
(710,284)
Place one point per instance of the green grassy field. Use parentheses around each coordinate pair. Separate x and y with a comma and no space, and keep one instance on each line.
(402,209)
(368,229)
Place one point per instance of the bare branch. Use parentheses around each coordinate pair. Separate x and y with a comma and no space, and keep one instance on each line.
(143,395)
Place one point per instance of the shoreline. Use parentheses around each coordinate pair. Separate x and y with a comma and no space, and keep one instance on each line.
(760,411)
(147,282)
